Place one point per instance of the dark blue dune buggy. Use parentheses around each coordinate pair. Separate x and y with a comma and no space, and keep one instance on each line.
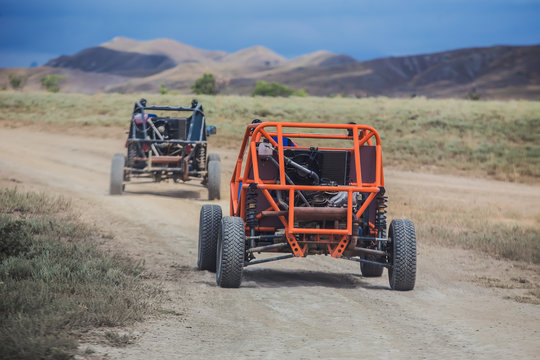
(163,147)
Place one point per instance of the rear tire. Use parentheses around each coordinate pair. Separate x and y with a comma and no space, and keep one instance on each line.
(214,179)
(117,174)
(402,273)
(213,157)
(370,270)
(231,249)
(209,223)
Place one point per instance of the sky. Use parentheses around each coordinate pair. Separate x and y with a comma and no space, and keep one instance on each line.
(39,30)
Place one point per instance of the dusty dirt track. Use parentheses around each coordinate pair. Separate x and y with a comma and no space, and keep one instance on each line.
(316,307)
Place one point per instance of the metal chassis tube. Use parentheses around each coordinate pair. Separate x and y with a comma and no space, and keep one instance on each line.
(386,265)
(253,262)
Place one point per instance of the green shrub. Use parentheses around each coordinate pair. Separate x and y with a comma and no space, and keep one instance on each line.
(263,88)
(52,82)
(301,93)
(16,81)
(163,89)
(473,95)
(205,85)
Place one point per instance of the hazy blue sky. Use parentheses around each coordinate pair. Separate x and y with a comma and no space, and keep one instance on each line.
(38,30)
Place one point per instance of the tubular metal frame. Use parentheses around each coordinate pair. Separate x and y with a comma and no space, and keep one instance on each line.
(336,240)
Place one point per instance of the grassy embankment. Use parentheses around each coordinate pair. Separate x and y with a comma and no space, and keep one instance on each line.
(494,226)
(482,138)
(56,284)
(494,139)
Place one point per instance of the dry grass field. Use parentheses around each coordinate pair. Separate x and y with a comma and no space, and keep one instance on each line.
(497,139)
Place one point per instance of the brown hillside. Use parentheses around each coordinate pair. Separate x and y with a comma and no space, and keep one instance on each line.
(102,60)
(175,50)
(495,70)
(492,72)
(320,58)
(256,56)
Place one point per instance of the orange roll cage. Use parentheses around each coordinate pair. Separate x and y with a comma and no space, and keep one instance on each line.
(274,132)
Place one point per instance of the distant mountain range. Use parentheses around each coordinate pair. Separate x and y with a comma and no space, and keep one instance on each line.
(127,65)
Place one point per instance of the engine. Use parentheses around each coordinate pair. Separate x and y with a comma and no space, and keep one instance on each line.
(318,167)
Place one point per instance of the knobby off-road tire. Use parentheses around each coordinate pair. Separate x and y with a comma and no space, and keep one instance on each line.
(117,174)
(214,179)
(402,273)
(230,252)
(132,154)
(370,270)
(209,224)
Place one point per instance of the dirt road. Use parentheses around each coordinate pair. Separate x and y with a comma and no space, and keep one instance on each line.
(315,307)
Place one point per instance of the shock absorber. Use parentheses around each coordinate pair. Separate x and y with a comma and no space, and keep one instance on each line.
(201,157)
(251,210)
(380,215)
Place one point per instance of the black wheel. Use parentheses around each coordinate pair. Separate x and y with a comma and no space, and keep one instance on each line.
(230,252)
(213,157)
(371,270)
(402,273)
(209,224)
(214,180)
(117,174)
(132,154)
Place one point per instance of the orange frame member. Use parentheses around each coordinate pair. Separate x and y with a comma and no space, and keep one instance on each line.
(274,133)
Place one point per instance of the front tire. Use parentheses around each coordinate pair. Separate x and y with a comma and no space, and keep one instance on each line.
(117,174)
(231,250)
(214,179)
(402,273)
(209,224)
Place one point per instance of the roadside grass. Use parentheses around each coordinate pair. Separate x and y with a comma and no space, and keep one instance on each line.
(508,233)
(498,139)
(55,283)
(513,242)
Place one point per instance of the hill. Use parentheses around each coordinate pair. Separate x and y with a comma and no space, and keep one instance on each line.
(321,58)
(255,56)
(502,72)
(127,65)
(173,49)
(104,60)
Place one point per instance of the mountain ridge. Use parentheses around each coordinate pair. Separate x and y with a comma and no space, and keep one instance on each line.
(174,49)
(496,72)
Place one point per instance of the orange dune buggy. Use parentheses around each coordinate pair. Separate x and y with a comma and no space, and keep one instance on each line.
(291,197)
